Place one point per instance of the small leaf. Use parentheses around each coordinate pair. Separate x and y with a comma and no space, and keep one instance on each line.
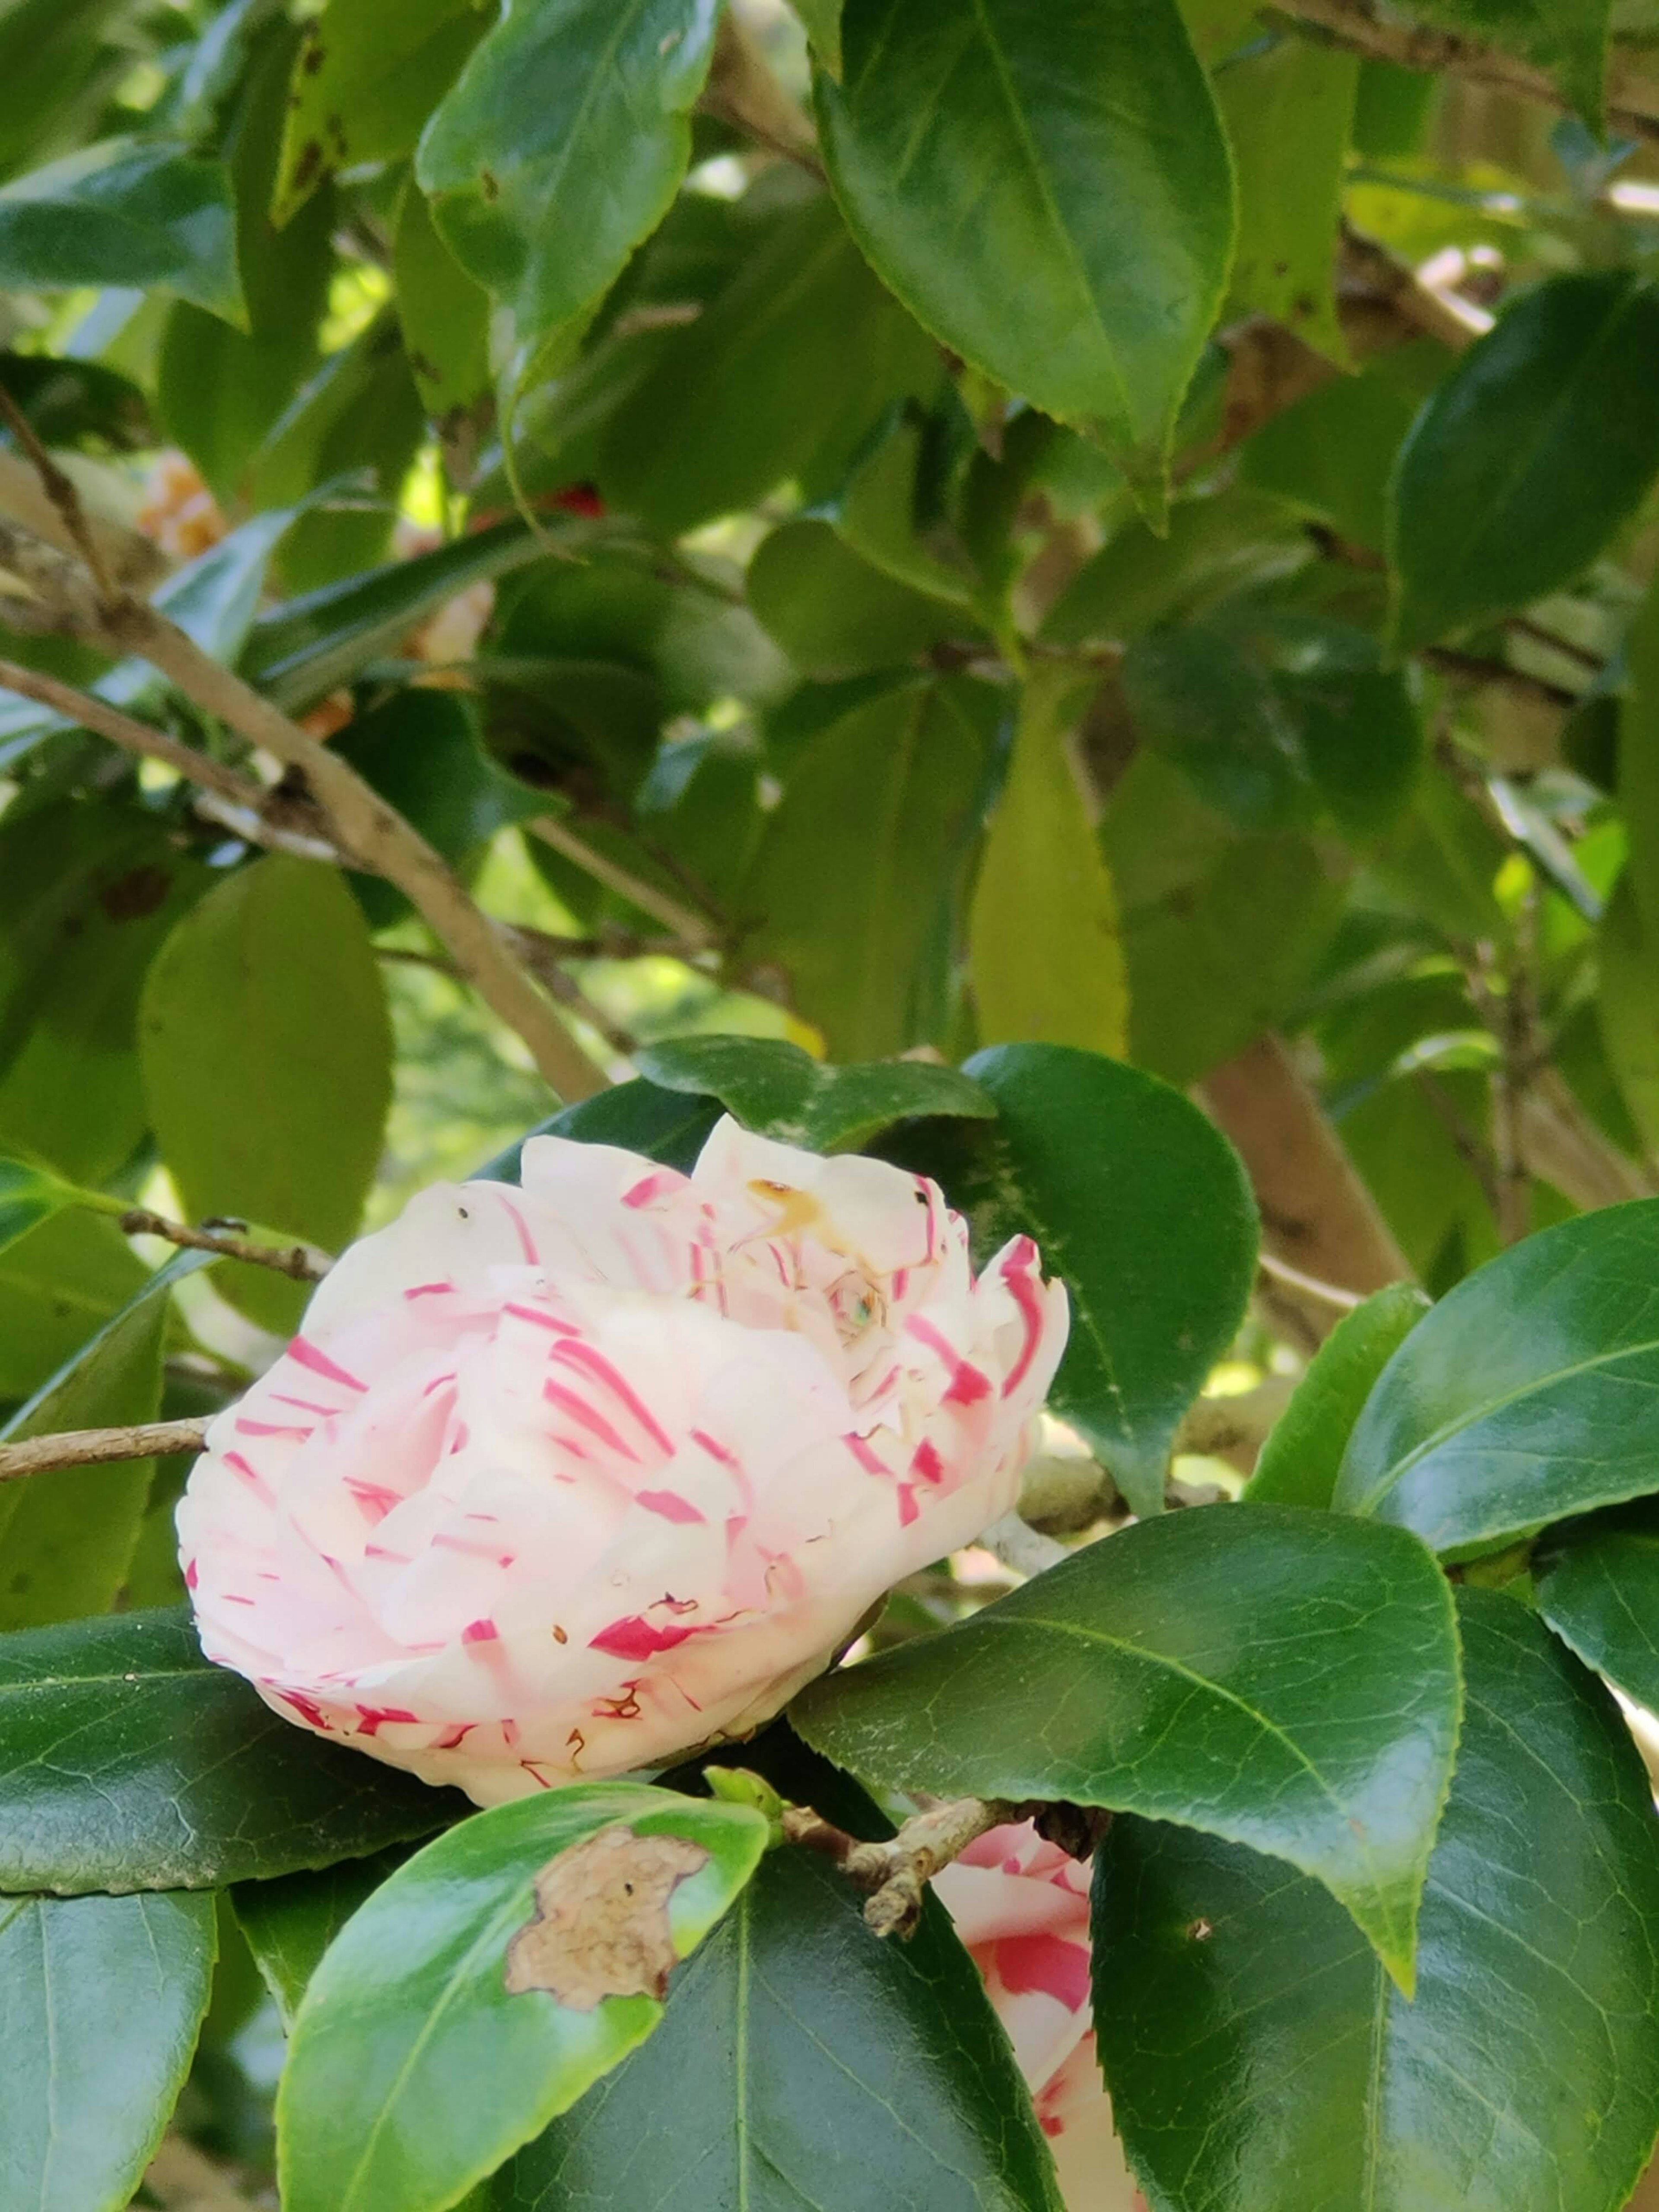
(562,147)
(1247,2036)
(28,1196)
(954,163)
(1045,955)
(1137,1200)
(1163,1671)
(100,2001)
(1544,439)
(1288,111)
(429,2045)
(1300,1461)
(128,1762)
(1529,1393)
(366,77)
(267,1057)
(783,1093)
(126,211)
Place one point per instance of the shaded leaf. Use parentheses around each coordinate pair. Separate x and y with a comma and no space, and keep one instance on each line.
(28,1196)
(830,611)
(291,1922)
(783,1093)
(1304,1451)
(125,211)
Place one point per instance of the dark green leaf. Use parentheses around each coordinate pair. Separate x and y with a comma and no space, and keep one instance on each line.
(126,211)
(1044,950)
(831,612)
(1215,545)
(100,2001)
(1627,999)
(1205,703)
(367,76)
(267,1058)
(857,861)
(1247,2036)
(1331,454)
(1597,1585)
(1288,109)
(130,1763)
(417,2066)
(750,393)
(562,147)
(664,1125)
(1165,1671)
(1300,1461)
(1133,1197)
(785,1093)
(802,2063)
(28,1196)
(1525,1395)
(1540,442)
(956,162)
(66,1537)
(291,1922)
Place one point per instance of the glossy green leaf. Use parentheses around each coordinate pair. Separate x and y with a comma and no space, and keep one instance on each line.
(66,1537)
(800,2063)
(129,1763)
(1304,1451)
(1248,2036)
(28,1196)
(58,1285)
(125,211)
(856,863)
(1213,546)
(1044,950)
(1221,930)
(880,514)
(749,393)
(1205,703)
(664,1125)
(1133,1197)
(445,318)
(1530,1392)
(1567,38)
(783,1093)
(1544,438)
(366,77)
(102,1999)
(956,162)
(833,613)
(414,2068)
(1164,1671)
(1288,110)
(1597,1582)
(291,1922)
(267,1056)
(562,147)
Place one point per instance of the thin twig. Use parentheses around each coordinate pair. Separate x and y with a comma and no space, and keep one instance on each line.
(1280,1271)
(303,1263)
(60,492)
(542,956)
(86,709)
(896,1874)
(1018,1546)
(691,929)
(99,1447)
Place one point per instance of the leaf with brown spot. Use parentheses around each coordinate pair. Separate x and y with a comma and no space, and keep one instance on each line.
(600,1928)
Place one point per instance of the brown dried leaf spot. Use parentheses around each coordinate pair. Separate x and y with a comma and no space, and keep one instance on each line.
(600,1927)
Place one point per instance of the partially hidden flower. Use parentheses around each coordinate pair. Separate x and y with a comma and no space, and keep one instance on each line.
(569,1479)
(1021,1905)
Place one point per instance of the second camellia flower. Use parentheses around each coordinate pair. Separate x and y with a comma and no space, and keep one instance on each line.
(567,1479)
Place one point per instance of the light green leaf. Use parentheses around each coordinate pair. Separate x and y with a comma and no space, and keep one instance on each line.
(1529,1393)
(1300,1461)
(783,1093)
(267,1057)
(28,1196)
(833,613)
(1627,994)
(821,20)
(1044,951)
(445,325)
(420,2058)
(102,1999)
(562,147)
(1288,111)
(125,211)
(1247,2036)
(1164,1671)
(851,879)
(956,162)
(1544,439)
(366,77)
(58,1285)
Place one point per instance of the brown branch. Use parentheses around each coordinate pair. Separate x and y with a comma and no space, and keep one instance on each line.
(61,494)
(690,928)
(99,1447)
(742,92)
(88,712)
(1292,1278)
(1633,102)
(303,1263)
(896,1874)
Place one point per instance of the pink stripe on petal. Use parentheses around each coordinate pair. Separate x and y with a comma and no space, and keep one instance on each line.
(192,1577)
(255,1482)
(526,1242)
(602,1369)
(1016,1273)
(635,1638)
(968,1385)
(866,1457)
(926,1461)
(246,1428)
(305,1353)
(305,1405)
(595,1424)
(909,1510)
(480,1632)
(438,1382)
(1044,1963)
(541,1320)
(428,1290)
(702,1437)
(651,1188)
(454,1737)
(669,1503)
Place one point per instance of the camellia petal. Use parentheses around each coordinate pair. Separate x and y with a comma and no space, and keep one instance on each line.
(565,1480)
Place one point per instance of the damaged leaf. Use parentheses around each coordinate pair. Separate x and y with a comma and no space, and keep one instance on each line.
(601,1927)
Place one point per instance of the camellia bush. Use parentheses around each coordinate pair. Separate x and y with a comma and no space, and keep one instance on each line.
(828,1105)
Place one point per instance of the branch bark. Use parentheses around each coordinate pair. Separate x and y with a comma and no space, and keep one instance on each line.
(303,1263)
(896,1874)
(99,1447)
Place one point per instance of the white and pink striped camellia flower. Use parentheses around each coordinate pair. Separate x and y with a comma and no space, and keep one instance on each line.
(566,1480)
(1021,1906)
